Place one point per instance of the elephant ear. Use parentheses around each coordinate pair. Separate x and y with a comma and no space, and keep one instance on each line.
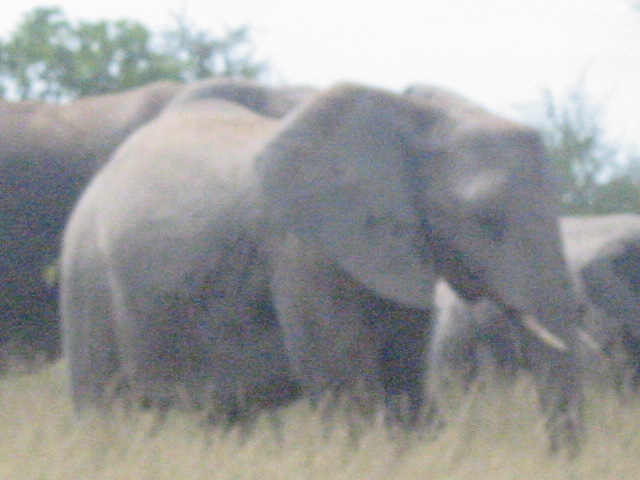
(335,175)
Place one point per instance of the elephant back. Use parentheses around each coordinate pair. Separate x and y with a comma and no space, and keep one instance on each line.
(273,102)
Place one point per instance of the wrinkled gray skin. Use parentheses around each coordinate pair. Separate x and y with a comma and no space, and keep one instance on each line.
(48,153)
(164,290)
(603,253)
(370,198)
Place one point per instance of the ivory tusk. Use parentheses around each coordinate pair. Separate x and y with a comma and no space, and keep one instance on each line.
(543,333)
(589,341)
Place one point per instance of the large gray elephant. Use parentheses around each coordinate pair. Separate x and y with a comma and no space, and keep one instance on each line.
(370,198)
(164,283)
(344,213)
(48,153)
(603,254)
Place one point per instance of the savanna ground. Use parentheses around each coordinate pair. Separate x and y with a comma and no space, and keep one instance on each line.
(496,433)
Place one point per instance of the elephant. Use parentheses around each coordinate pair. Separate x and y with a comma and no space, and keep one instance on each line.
(164,291)
(48,153)
(611,282)
(370,198)
(603,255)
(302,253)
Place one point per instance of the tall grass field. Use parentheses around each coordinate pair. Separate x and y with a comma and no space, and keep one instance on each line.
(493,433)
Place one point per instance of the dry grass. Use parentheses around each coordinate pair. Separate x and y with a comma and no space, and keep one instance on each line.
(495,434)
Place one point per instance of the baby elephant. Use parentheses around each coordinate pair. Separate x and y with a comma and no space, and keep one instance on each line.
(470,336)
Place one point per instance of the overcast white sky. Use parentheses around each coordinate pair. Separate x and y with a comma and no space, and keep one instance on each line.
(502,53)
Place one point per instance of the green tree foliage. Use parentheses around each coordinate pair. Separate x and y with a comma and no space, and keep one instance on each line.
(594,178)
(621,194)
(50,58)
(201,56)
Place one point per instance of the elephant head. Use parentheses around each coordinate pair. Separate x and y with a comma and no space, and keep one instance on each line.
(371,194)
(48,153)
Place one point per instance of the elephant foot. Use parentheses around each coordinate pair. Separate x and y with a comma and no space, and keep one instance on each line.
(426,420)
(566,428)
(566,435)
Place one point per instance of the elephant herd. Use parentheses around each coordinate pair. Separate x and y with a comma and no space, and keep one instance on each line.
(231,244)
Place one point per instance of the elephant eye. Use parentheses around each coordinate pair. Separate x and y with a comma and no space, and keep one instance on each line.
(493,224)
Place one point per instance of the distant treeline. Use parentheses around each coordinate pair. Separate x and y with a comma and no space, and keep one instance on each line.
(50,58)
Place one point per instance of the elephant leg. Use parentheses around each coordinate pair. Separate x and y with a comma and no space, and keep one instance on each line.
(404,333)
(89,341)
(161,350)
(560,394)
(509,355)
(631,346)
(329,345)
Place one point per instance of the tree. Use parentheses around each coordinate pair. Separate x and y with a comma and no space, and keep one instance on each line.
(574,138)
(203,56)
(621,192)
(593,180)
(50,58)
